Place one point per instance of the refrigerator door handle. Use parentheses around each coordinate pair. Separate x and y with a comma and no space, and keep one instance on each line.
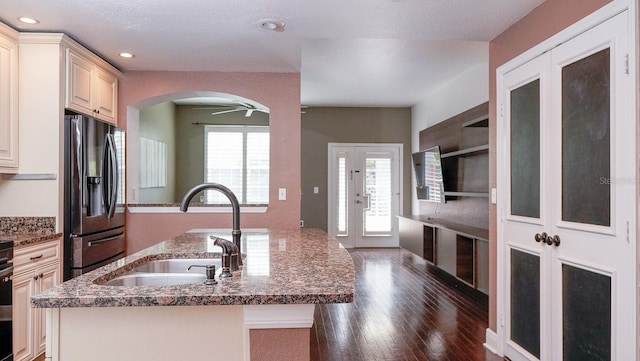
(110,172)
(113,184)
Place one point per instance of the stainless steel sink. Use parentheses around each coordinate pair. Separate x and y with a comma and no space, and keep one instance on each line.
(178,265)
(166,272)
(156,279)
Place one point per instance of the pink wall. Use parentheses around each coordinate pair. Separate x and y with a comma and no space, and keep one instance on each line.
(280,92)
(546,20)
(283,344)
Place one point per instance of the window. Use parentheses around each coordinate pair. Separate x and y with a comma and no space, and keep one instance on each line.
(238,158)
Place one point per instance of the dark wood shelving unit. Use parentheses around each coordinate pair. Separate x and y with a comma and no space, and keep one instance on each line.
(461,251)
(449,243)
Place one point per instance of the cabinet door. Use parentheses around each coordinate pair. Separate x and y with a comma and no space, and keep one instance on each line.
(48,277)
(79,87)
(8,105)
(106,95)
(446,250)
(411,235)
(23,288)
(482,266)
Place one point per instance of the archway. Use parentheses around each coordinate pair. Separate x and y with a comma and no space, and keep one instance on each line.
(230,103)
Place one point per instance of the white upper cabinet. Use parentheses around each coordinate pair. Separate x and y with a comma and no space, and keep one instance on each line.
(91,89)
(8,100)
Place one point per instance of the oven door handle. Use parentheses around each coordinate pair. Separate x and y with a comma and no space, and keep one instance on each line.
(6,272)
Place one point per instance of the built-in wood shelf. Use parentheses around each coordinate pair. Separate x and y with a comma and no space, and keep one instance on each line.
(467,194)
(466,152)
(479,122)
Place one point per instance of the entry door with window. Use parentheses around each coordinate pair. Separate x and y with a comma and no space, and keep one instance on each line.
(566,159)
(364,194)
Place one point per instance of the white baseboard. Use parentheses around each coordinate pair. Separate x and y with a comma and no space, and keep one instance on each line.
(278,316)
(491,341)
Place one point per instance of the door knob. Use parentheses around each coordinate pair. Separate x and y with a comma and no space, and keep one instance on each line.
(540,237)
(553,241)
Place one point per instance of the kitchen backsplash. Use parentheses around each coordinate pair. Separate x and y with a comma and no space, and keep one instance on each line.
(22,225)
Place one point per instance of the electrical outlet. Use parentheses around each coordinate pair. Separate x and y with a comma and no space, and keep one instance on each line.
(301,223)
(282,194)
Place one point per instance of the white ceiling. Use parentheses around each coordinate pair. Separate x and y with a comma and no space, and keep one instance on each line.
(349,52)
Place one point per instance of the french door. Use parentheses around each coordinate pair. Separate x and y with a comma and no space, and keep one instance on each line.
(364,194)
(567,169)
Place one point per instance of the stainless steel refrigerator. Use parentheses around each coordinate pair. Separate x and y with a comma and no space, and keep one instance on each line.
(94,204)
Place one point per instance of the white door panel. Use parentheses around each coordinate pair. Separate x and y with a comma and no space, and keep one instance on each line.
(567,181)
(364,194)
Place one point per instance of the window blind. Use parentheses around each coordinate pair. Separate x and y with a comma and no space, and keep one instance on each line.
(238,158)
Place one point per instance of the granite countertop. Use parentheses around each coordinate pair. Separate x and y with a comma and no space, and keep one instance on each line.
(25,231)
(281,267)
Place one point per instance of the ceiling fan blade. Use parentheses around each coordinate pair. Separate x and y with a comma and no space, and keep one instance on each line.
(227,111)
(248,113)
(214,107)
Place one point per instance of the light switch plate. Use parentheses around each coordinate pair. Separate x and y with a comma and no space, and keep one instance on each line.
(494,196)
(316,190)
(282,194)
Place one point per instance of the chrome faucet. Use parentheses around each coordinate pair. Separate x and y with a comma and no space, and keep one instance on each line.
(230,256)
(235,233)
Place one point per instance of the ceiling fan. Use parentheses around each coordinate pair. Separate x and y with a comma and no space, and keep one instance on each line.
(240,107)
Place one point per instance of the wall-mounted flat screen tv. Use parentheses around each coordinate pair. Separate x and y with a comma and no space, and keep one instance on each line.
(428,171)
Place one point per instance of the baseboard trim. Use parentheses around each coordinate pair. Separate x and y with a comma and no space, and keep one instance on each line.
(491,341)
(278,316)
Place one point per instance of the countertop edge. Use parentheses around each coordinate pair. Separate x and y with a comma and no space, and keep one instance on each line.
(24,240)
(187,300)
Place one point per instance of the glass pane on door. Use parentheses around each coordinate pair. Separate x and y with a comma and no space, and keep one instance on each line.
(343,194)
(525,301)
(525,150)
(586,155)
(586,316)
(378,188)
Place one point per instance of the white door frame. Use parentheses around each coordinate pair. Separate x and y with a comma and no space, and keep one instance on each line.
(349,242)
(494,340)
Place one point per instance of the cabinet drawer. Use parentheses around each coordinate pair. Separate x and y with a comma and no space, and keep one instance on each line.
(32,256)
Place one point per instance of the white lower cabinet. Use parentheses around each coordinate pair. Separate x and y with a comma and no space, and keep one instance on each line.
(37,268)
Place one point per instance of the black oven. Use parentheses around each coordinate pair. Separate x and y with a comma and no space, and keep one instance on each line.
(6,298)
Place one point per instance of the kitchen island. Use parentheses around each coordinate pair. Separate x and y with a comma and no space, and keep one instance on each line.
(263,312)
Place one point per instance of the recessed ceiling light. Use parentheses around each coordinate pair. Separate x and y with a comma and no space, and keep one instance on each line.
(271,24)
(126,55)
(26,20)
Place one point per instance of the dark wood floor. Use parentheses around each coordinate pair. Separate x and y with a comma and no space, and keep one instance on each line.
(402,311)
